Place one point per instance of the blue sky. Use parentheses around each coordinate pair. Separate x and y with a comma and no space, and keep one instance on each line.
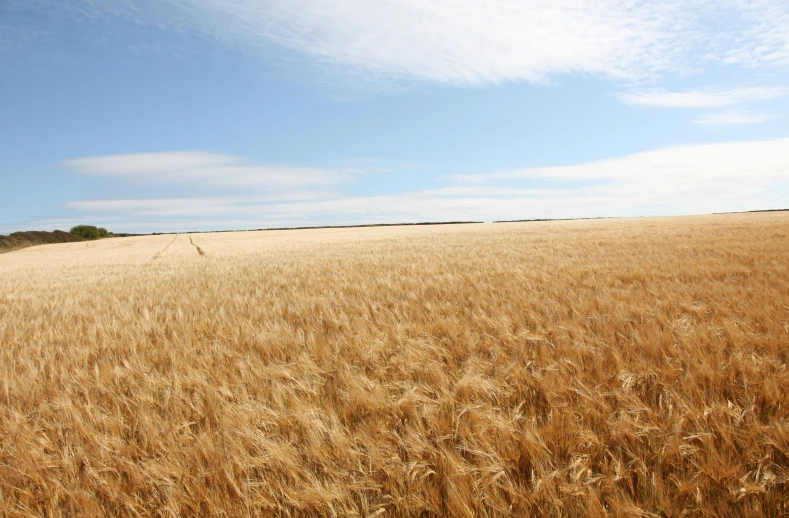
(177,115)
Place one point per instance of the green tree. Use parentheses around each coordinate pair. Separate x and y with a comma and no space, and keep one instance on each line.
(89,231)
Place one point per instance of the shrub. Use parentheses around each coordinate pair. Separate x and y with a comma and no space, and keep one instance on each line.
(89,231)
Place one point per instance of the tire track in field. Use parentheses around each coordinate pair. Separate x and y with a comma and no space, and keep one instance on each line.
(163,250)
(199,250)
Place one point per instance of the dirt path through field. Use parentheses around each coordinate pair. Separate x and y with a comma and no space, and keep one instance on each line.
(199,250)
(163,250)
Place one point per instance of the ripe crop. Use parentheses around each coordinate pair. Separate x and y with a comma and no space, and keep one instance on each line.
(582,368)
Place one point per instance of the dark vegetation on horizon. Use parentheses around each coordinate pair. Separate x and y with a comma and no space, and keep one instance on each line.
(317,227)
(89,232)
(17,240)
(549,219)
(750,211)
(616,217)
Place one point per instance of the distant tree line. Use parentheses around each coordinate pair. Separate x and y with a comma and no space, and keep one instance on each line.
(89,232)
(17,240)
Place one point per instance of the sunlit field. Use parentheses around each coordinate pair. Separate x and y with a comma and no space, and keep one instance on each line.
(633,367)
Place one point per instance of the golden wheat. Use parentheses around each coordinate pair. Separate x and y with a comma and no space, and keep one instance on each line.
(586,368)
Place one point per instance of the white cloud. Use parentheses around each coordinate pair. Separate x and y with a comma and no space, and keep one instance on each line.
(473,42)
(680,180)
(703,98)
(733,117)
(202,169)
(729,163)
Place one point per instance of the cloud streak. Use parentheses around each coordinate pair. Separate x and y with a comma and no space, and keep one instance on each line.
(204,169)
(703,98)
(732,117)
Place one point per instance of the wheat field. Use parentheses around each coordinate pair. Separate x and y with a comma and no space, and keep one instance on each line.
(633,367)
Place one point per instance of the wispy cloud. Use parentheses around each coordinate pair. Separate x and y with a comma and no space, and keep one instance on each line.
(203,206)
(203,169)
(703,98)
(472,42)
(731,117)
(678,180)
(764,37)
